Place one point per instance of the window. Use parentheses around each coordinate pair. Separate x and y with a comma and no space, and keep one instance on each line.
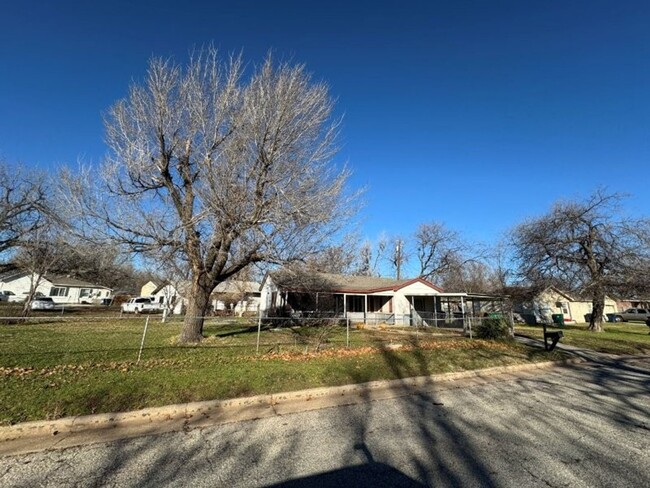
(642,310)
(565,308)
(355,303)
(59,291)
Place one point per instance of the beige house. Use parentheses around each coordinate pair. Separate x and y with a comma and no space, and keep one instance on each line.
(148,289)
(537,306)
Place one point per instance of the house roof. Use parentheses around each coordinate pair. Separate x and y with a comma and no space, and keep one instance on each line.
(316,281)
(232,286)
(235,286)
(56,280)
(60,280)
(12,275)
(522,293)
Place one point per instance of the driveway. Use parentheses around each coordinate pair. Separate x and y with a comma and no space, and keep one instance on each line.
(578,426)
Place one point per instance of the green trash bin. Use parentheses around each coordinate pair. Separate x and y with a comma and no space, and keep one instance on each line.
(558,318)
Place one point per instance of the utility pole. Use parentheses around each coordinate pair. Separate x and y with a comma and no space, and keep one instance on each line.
(398,258)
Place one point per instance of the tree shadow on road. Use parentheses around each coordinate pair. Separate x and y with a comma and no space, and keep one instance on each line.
(511,430)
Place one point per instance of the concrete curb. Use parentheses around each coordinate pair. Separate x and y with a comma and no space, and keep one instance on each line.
(88,429)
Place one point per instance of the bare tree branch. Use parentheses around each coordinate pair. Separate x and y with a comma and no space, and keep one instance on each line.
(220,171)
(586,246)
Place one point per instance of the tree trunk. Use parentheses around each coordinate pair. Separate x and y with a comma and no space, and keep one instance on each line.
(598,308)
(199,302)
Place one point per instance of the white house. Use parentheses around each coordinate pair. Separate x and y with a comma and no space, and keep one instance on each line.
(62,289)
(366,299)
(539,305)
(242,296)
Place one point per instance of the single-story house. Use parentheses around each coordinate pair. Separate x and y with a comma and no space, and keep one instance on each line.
(538,305)
(166,295)
(624,303)
(367,299)
(238,296)
(62,289)
(148,289)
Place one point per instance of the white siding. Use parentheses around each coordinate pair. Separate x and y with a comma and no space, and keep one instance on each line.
(24,284)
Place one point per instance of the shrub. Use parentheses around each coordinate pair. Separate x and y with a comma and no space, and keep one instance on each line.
(492,328)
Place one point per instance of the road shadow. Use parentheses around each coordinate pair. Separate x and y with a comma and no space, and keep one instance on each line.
(541,428)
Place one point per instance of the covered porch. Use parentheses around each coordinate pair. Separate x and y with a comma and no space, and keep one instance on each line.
(445,310)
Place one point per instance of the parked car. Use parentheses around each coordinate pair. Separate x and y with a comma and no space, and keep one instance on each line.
(5,295)
(140,305)
(21,297)
(632,314)
(42,303)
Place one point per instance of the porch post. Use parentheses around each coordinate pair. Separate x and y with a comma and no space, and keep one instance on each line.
(462,311)
(365,309)
(435,311)
(345,306)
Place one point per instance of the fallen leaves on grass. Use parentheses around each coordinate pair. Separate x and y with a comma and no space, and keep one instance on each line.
(24,373)
(361,351)
(79,369)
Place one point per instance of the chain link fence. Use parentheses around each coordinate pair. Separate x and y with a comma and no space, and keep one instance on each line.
(111,334)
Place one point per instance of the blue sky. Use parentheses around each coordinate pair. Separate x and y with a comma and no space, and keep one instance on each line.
(476,114)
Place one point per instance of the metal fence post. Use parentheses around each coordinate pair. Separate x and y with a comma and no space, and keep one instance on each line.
(347,333)
(259,330)
(146,324)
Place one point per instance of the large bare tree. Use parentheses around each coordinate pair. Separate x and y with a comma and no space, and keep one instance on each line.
(438,249)
(589,245)
(225,169)
(23,200)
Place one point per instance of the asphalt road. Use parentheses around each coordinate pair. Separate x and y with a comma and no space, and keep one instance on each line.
(585,425)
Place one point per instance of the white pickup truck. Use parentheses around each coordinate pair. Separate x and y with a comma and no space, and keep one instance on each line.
(140,305)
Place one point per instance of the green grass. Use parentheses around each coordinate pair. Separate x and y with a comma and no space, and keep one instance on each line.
(52,369)
(617,338)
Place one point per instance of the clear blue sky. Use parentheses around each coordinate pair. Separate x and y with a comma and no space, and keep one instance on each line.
(472,113)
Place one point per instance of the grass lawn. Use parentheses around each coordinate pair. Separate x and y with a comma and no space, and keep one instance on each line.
(54,369)
(617,338)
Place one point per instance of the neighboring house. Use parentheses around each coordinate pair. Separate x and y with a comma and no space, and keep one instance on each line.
(166,295)
(538,305)
(366,299)
(244,296)
(625,303)
(62,289)
(239,296)
(148,289)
